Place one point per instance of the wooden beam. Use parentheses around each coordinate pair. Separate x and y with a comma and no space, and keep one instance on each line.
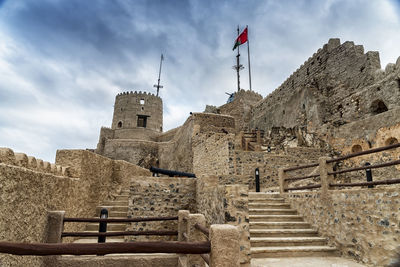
(47,249)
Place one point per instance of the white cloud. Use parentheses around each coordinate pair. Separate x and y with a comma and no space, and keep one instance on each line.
(60,72)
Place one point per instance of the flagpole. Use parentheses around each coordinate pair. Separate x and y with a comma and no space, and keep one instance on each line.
(237,63)
(248,54)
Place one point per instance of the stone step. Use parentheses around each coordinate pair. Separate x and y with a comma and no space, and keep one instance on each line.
(258,195)
(112,209)
(279,225)
(282,232)
(114,260)
(275,218)
(122,198)
(113,214)
(115,203)
(258,205)
(267,200)
(287,241)
(272,211)
(295,251)
(110,227)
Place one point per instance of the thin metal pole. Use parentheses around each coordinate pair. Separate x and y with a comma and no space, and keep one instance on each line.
(248,54)
(158,86)
(159,74)
(237,62)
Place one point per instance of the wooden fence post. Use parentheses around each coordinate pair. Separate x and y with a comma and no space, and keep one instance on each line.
(282,182)
(326,179)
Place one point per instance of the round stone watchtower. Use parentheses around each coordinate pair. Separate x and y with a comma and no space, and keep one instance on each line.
(137,113)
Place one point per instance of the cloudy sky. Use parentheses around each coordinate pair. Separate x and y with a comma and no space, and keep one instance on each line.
(63,61)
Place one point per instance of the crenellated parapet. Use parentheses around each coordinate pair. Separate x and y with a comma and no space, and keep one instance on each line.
(7,156)
(138,94)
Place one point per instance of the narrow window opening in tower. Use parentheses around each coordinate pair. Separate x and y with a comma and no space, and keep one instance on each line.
(378,106)
(142,101)
(398,83)
(119,124)
(142,121)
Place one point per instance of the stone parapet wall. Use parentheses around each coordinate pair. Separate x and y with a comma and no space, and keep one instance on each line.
(29,194)
(159,196)
(362,223)
(9,157)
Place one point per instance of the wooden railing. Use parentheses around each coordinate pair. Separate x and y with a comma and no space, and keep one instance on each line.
(47,249)
(326,173)
(121,220)
(188,244)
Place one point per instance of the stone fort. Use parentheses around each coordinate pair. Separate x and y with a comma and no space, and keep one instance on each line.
(339,102)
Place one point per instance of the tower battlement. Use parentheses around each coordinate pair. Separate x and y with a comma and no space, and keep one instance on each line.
(137,110)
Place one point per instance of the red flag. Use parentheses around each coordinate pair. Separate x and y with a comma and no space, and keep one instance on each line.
(241,39)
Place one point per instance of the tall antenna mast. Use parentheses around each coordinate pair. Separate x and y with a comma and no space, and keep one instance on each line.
(158,86)
(238,67)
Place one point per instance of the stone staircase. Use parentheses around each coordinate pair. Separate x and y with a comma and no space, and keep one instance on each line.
(117,208)
(276,230)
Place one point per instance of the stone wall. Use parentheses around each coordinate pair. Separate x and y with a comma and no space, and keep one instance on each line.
(177,154)
(212,154)
(138,152)
(337,85)
(225,204)
(362,223)
(159,196)
(28,194)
